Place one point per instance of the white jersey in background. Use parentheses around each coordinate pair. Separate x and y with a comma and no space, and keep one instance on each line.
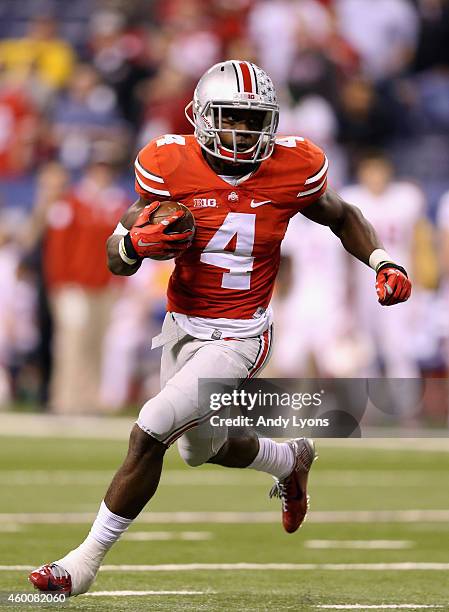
(442,222)
(311,317)
(394,215)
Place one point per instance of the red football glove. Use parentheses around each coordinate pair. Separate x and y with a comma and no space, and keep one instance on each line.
(392,284)
(148,240)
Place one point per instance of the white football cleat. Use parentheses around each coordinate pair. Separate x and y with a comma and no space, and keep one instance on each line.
(73,575)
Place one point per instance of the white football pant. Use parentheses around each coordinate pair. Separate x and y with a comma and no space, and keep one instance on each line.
(176,413)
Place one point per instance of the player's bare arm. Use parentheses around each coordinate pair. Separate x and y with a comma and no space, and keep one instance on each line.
(346,221)
(359,238)
(115,263)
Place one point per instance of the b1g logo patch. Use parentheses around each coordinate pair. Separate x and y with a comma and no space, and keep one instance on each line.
(205,203)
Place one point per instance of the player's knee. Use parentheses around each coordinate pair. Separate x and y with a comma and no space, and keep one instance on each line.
(193,456)
(157,417)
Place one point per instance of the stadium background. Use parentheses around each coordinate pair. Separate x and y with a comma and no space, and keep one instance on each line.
(82,86)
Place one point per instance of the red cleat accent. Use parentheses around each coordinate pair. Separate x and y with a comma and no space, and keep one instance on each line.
(51,578)
(292,490)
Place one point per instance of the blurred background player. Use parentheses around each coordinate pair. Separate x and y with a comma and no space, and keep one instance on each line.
(443,253)
(19,333)
(312,312)
(397,210)
(40,54)
(130,370)
(78,218)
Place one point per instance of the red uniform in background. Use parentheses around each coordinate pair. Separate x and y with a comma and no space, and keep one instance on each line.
(81,222)
(81,289)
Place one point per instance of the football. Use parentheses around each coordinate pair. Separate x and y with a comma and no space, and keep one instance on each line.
(167,209)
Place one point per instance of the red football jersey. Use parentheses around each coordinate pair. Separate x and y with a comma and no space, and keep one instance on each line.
(229,270)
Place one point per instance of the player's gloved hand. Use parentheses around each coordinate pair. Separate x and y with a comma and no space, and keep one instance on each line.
(146,239)
(392,284)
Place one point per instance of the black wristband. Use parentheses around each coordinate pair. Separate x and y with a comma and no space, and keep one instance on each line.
(129,249)
(390,264)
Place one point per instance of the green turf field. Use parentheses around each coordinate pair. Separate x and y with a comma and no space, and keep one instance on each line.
(353,549)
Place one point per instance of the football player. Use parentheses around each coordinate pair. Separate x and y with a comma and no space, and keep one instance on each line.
(242,185)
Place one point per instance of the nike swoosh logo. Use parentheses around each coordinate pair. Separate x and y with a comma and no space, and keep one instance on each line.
(142,243)
(256,204)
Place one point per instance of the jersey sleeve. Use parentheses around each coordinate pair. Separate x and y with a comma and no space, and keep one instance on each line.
(149,182)
(315,182)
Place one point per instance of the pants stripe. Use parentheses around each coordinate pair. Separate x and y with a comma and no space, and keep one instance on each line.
(189,425)
(266,345)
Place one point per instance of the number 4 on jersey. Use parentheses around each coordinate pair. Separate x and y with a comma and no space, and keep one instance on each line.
(239,262)
(171,139)
(289,141)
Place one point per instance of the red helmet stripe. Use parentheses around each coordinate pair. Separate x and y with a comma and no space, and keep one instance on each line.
(247,83)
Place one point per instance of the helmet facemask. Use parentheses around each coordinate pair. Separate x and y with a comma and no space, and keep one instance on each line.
(208,124)
(241,88)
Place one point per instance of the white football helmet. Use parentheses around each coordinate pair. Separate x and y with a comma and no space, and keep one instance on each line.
(230,85)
